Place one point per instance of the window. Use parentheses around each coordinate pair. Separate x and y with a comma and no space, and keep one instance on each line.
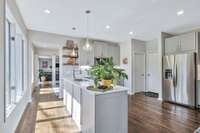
(14,67)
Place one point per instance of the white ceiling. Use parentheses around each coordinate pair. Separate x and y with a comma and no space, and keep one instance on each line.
(146,18)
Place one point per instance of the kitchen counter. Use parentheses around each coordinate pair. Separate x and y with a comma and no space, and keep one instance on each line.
(95,111)
(85,83)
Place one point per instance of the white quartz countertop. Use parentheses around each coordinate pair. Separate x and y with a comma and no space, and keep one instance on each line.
(85,84)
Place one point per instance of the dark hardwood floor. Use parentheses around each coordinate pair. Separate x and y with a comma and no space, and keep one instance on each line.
(146,115)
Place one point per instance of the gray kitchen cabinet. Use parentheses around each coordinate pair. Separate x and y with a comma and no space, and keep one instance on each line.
(68,97)
(188,42)
(116,54)
(76,114)
(86,57)
(108,51)
(104,113)
(72,101)
(98,49)
(172,45)
(180,44)
(93,111)
(152,46)
(112,51)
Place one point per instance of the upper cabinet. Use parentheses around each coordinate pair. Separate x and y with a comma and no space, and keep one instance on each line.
(172,45)
(86,57)
(100,49)
(181,44)
(188,42)
(106,50)
(116,54)
(152,46)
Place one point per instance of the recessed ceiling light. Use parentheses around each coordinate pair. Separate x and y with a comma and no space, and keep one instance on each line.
(74,28)
(107,26)
(130,33)
(181,12)
(47,11)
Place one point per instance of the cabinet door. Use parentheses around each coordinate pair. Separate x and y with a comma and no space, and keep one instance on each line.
(116,55)
(139,72)
(68,97)
(106,50)
(188,42)
(152,72)
(110,51)
(172,45)
(86,57)
(98,49)
(76,115)
(152,46)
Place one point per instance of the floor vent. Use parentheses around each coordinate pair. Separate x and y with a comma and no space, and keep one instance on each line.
(151,94)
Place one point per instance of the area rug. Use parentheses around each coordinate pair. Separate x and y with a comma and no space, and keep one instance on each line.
(151,94)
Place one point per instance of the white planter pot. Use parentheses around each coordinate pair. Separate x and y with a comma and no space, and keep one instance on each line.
(43,78)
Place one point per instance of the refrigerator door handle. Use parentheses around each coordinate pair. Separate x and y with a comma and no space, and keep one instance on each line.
(176,76)
(173,78)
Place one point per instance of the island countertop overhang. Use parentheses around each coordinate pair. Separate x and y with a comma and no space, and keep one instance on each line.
(85,84)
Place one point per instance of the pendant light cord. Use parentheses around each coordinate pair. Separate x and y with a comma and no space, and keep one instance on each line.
(87,45)
(87,28)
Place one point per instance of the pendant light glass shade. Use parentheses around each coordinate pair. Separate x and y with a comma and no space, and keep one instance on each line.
(87,46)
(73,54)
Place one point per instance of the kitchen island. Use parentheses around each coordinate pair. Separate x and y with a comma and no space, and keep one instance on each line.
(96,111)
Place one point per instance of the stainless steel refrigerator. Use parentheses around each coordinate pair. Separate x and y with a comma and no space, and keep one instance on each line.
(179,73)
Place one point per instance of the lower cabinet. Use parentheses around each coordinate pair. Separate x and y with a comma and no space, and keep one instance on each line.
(72,101)
(97,113)
(76,114)
(68,97)
(106,113)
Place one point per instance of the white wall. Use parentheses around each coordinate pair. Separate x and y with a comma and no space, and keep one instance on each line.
(49,60)
(12,121)
(47,44)
(16,13)
(46,52)
(126,52)
(2,41)
(49,40)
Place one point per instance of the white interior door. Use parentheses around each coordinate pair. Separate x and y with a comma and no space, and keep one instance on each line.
(152,72)
(139,72)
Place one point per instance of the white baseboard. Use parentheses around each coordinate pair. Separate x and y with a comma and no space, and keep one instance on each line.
(131,93)
(160,99)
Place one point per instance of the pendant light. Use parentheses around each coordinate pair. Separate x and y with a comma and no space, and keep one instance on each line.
(73,54)
(87,45)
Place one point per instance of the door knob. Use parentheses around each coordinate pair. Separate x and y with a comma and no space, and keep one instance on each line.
(142,74)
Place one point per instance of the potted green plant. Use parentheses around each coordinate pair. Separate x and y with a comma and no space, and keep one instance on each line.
(42,75)
(106,73)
